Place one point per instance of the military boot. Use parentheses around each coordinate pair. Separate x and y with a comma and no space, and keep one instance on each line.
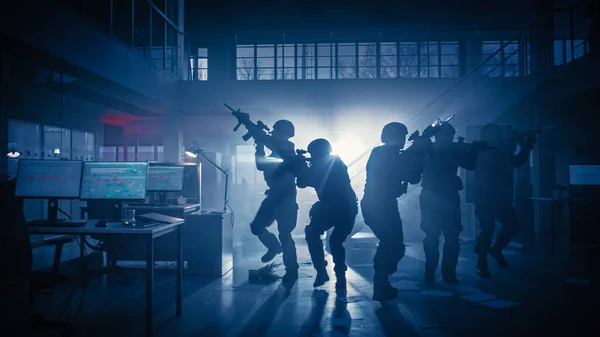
(482,267)
(321,278)
(496,253)
(272,243)
(383,290)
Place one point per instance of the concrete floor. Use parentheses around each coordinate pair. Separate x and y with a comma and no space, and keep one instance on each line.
(535,297)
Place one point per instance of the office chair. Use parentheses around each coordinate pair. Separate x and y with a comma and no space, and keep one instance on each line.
(16,264)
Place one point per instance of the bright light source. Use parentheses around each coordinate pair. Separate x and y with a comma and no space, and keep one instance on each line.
(57,151)
(13,154)
(348,147)
(191,154)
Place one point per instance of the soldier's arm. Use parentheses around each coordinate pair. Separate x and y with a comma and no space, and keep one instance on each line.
(466,156)
(305,177)
(521,157)
(260,158)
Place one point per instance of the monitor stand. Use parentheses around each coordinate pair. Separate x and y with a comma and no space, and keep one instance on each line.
(162,198)
(53,211)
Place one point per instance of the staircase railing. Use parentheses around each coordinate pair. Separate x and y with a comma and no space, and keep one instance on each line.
(511,59)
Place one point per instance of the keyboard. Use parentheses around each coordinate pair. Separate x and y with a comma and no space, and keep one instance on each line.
(46,223)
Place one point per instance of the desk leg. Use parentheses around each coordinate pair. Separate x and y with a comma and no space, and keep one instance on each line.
(149,284)
(179,292)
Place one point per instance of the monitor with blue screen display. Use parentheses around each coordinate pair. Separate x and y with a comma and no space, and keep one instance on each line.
(114,180)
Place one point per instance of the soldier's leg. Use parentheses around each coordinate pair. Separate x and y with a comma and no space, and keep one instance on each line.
(486,216)
(263,219)
(343,228)
(317,226)
(387,226)
(287,217)
(451,229)
(510,227)
(431,226)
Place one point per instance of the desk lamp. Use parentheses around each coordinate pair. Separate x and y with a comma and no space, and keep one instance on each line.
(193,152)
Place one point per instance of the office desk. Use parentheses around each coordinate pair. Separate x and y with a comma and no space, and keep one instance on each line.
(149,234)
(178,211)
(559,211)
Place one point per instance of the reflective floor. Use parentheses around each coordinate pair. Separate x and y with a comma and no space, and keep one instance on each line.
(535,297)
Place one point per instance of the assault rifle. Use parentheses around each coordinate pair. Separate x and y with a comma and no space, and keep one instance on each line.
(430,130)
(292,164)
(255,130)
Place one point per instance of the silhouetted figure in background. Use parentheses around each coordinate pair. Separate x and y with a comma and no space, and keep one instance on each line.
(388,172)
(280,204)
(440,202)
(493,193)
(337,207)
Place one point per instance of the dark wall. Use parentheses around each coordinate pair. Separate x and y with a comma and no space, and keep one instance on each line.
(202,17)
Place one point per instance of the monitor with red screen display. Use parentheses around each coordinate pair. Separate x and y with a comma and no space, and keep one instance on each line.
(48,179)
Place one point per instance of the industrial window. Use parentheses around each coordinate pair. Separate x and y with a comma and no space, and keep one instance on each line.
(408,59)
(326,61)
(505,60)
(245,62)
(367,60)
(346,60)
(199,65)
(108,153)
(202,64)
(305,60)
(565,51)
(265,62)
(449,60)
(429,59)
(286,62)
(388,59)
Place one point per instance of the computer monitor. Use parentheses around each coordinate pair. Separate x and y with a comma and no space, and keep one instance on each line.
(164,178)
(49,179)
(584,175)
(114,180)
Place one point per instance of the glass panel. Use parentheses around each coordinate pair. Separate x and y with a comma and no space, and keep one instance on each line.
(324,73)
(389,72)
(558,53)
(265,74)
(450,71)
(83,146)
(285,74)
(387,49)
(160,154)
(57,143)
(407,48)
(145,153)
(265,51)
(346,72)
(108,153)
(346,49)
(408,72)
(131,153)
(450,60)
(245,73)
(449,48)
(245,51)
